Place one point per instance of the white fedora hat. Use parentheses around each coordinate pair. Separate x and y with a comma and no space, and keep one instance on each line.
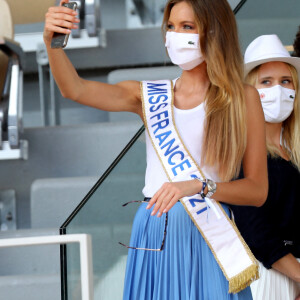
(268,48)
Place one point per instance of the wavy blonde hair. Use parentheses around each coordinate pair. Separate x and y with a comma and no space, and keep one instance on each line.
(291,126)
(225,131)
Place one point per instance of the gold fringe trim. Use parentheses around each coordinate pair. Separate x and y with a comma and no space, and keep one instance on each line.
(244,279)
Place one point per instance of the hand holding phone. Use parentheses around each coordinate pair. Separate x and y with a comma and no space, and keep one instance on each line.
(60,40)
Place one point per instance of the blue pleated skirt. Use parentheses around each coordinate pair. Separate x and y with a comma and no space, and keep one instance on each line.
(185,269)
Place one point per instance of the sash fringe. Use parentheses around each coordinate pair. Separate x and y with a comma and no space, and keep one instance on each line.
(243,279)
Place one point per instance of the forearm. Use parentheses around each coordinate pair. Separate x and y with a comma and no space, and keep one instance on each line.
(64,73)
(289,266)
(242,192)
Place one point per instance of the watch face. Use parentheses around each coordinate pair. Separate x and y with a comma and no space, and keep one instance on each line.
(211,186)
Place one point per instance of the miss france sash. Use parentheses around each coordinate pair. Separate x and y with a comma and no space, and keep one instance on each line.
(220,233)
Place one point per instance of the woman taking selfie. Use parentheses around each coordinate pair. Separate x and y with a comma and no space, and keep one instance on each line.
(272,231)
(200,128)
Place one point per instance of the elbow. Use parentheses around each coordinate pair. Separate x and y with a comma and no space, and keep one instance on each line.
(64,94)
(72,91)
(260,201)
(261,196)
(69,95)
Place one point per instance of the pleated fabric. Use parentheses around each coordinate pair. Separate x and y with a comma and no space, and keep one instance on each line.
(274,285)
(185,270)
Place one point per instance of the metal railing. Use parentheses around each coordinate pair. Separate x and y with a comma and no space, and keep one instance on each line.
(12,107)
(85,246)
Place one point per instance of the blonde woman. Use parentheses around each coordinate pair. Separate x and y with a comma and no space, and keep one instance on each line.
(183,244)
(272,231)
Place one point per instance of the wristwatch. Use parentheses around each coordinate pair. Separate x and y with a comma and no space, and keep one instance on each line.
(211,187)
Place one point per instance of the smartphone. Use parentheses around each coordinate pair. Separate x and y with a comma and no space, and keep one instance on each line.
(60,40)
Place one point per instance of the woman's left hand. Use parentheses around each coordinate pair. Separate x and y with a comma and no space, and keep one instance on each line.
(170,193)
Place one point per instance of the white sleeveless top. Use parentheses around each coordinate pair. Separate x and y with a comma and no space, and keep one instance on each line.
(190,123)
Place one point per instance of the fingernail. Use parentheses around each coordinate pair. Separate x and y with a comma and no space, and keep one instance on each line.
(153,213)
(148,206)
(69,31)
(164,211)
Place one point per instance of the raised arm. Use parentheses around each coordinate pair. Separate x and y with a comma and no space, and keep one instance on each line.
(124,96)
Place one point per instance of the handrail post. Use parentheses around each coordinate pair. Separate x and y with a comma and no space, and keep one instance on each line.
(86,268)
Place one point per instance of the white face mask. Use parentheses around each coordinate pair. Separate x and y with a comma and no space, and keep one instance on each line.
(277,103)
(184,49)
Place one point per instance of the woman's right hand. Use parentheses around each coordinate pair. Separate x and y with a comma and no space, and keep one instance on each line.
(59,19)
(124,96)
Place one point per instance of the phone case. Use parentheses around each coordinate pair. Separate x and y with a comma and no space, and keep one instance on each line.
(60,40)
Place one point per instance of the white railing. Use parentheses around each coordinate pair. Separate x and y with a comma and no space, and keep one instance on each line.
(85,245)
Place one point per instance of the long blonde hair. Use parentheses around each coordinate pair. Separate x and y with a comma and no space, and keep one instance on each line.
(225,129)
(291,126)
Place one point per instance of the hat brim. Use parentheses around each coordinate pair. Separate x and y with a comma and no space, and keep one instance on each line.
(294,61)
